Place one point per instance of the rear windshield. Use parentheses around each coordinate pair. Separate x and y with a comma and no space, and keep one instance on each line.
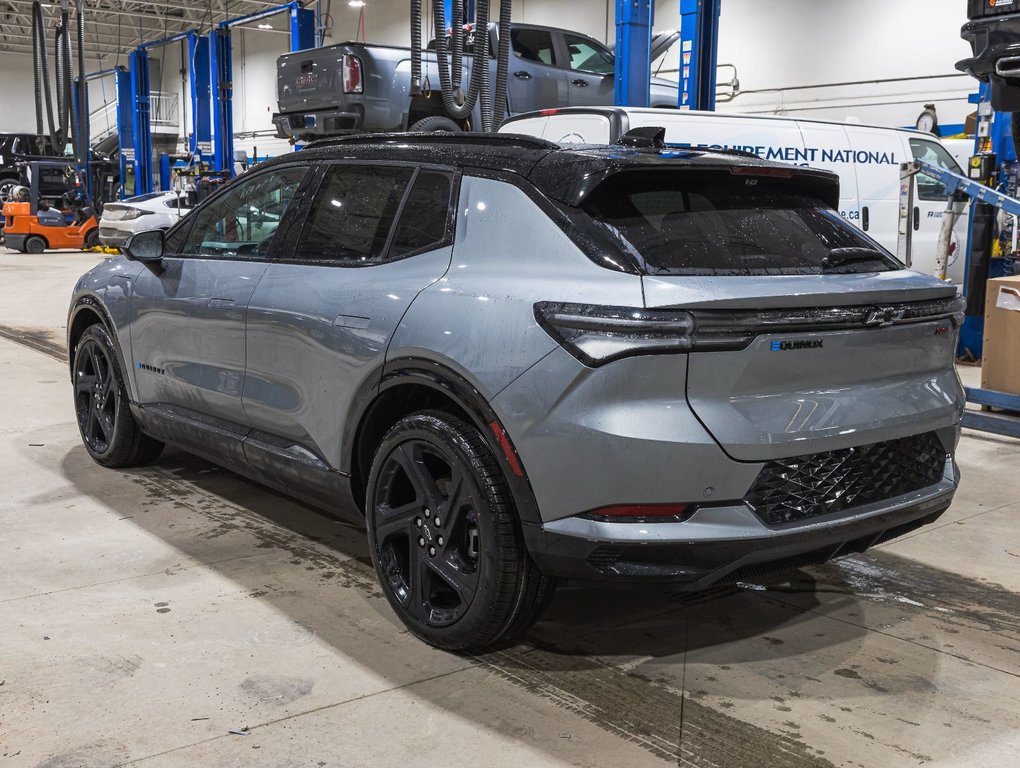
(718,223)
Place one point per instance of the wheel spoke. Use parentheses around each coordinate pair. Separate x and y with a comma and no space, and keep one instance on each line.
(420,577)
(464,583)
(105,424)
(90,429)
(411,459)
(85,383)
(454,499)
(390,521)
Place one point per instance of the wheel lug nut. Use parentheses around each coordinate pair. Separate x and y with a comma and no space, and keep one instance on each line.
(417,522)
(432,551)
(421,541)
(436,522)
(440,541)
(427,513)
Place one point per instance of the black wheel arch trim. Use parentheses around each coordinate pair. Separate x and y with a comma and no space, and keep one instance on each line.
(91,303)
(443,379)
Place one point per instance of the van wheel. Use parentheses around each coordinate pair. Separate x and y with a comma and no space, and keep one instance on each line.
(444,537)
(108,429)
(435,124)
(35,244)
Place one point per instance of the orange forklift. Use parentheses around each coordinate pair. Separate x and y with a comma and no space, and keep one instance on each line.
(33,225)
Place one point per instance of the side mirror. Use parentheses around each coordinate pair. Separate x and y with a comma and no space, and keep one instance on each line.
(146,247)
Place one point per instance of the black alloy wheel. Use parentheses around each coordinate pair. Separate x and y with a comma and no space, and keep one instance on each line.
(101,406)
(444,536)
(96,395)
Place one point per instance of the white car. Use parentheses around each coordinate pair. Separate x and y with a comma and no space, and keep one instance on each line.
(156,210)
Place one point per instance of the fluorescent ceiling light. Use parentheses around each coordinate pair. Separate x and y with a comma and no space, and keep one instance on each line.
(265,26)
(356,3)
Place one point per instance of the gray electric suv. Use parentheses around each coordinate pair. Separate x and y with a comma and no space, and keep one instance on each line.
(517,362)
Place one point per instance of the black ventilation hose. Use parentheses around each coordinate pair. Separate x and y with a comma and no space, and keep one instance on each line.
(39,53)
(502,64)
(82,124)
(63,67)
(37,75)
(481,65)
(415,47)
(457,38)
(458,110)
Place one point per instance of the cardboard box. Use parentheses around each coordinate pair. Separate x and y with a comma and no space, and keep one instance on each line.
(1000,366)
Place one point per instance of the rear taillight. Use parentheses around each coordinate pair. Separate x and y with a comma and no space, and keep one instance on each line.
(639,513)
(353,82)
(597,335)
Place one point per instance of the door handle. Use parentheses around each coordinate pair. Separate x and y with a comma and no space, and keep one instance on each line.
(865,218)
(221,303)
(917,219)
(579,83)
(522,75)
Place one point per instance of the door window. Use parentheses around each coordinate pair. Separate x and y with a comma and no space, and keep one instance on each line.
(927,187)
(587,56)
(533,45)
(353,214)
(425,217)
(242,222)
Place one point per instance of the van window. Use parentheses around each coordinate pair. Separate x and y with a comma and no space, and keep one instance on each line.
(719,223)
(533,45)
(927,187)
(352,215)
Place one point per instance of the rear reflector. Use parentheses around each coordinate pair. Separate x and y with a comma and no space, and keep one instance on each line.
(508,450)
(634,512)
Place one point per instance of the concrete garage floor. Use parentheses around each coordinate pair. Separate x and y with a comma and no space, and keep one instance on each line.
(145,614)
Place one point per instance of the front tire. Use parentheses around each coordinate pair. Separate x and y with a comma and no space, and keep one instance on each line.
(108,430)
(34,244)
(444,536)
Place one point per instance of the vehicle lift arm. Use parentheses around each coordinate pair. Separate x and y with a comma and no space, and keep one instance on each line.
(961,190)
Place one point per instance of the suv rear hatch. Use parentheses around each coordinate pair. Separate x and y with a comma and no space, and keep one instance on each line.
(807,336)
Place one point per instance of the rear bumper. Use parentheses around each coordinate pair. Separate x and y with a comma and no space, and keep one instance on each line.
(113,237)
(308,125)
(990,40)
(720,544)
(14,241)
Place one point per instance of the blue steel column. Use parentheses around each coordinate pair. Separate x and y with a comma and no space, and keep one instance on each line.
(302,28)
(634,20)
(699,53)
(125,132)
(201,98)
(223,100)
(142,132)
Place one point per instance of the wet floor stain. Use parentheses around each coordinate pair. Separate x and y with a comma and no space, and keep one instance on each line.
(38,339)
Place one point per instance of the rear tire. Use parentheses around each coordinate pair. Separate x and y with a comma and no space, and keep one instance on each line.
(34,244)
(108,429)
(467,581)
(435,124)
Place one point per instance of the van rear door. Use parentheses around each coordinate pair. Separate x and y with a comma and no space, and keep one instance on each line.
(930,199)
(829,148)
(877,153)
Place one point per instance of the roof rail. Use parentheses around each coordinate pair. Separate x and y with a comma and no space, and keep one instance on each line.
(437,137)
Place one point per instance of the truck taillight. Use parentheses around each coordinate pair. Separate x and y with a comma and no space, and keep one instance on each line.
(352,74)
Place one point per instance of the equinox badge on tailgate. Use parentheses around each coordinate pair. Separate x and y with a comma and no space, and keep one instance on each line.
(784,346)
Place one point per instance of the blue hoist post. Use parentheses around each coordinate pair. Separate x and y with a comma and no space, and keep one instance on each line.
(302,36)
(993,135)
(699,53)
(142,126)
(126,133)
(633,81)
(199,76)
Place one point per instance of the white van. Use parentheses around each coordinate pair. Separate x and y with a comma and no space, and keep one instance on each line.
(867,159)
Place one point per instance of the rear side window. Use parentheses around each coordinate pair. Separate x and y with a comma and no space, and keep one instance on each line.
(533,45)
(425,218)
(927,187)
(718,223)
(353,213)
(586,56)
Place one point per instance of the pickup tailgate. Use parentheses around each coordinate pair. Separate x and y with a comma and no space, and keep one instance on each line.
(310,79)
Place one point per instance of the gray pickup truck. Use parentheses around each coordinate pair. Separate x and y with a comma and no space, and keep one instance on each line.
(361,88)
